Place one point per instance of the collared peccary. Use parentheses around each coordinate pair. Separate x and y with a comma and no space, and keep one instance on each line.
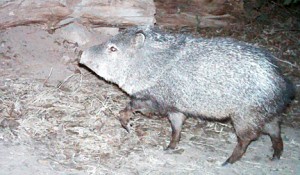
(178,76)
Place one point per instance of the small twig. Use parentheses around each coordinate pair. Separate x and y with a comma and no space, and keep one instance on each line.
(80,82)
(253,163)
(11,110)
(46,80)
(207,145)
(287,62)
(65,80)
(286,30)
(218,131)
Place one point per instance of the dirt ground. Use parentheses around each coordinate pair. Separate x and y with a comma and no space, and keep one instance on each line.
(59,118)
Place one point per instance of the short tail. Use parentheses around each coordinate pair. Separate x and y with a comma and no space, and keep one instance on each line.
(290,91)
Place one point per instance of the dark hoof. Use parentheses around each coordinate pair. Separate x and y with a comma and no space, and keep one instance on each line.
(168,151)
(275,158)
(170,147)
(225,163)
(276,155)
(126,128)
(173,151)
(228,162)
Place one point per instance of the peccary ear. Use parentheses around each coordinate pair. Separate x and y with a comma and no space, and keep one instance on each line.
(138,40)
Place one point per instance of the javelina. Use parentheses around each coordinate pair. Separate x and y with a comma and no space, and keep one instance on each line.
(178,76)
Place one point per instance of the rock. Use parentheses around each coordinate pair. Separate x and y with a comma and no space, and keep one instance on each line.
(108,30)
(197,13)
(76,33)
(116,13)
(25,12)
(89,12)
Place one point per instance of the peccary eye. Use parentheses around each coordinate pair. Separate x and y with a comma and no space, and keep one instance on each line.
(113,49)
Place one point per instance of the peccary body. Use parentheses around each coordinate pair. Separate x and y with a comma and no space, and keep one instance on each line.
(179,76)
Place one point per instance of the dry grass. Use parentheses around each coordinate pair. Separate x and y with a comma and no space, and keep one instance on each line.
(71,119)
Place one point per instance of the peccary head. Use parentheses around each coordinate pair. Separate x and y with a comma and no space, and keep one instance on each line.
(112,59)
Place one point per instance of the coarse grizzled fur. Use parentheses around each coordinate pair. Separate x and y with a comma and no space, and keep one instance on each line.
(179,76)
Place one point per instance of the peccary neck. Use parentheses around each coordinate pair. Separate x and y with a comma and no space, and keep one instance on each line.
(143,72)
(133,83)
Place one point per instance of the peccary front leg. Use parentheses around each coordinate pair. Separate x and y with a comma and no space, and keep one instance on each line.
(176,119)
(144,105)
(124,117)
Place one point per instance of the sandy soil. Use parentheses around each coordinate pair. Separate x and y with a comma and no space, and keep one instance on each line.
(58,118)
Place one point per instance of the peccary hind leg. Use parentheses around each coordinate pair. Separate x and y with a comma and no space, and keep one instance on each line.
(273,130)
(176,119)
(245,137)
(238,151)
